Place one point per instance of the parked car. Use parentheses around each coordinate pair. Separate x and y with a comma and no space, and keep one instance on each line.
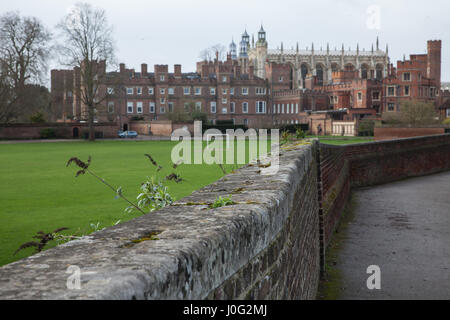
(128,134)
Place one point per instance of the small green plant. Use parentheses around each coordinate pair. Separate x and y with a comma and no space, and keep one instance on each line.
(48,133)
(85,168)
(285,137)
(300,134)
(43,238)
(153,196)
(222,202)
(446,121)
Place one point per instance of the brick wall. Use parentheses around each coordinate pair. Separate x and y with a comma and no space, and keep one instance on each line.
(397,133)
(362,165)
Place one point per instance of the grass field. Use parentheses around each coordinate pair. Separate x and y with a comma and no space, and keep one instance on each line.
(38,192)
(343,140)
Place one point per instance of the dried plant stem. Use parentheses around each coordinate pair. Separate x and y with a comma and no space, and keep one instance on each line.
(115,191)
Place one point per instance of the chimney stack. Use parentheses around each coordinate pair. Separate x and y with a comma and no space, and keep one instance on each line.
(177,70)
(144,70)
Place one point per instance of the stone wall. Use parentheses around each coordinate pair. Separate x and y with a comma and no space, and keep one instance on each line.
(266,246)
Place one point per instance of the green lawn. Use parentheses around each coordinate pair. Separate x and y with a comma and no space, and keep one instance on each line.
(343,140)
(38,192)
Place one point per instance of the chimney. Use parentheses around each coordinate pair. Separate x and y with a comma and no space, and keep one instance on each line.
(205,72)
(250,72)
(177,70)
(122,67)
(144,70)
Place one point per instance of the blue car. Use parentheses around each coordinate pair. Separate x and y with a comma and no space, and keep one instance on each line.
(128,134)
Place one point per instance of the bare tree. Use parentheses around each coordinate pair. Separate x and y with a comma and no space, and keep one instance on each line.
(86,43)
(210,53)
(24,52)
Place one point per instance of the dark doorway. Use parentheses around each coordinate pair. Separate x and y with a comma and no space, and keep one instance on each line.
(76,132)
(125,127)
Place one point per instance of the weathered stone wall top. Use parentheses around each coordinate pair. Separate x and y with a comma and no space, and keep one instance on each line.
(197,249)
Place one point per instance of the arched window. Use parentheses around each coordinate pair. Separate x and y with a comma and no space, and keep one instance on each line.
(364,71)
(319,74)
(379,72)
(304,72)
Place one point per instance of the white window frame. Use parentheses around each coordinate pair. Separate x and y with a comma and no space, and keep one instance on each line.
(162,91)
(212,91)
(232,91)
(162,100)
(139,105)
(224,100)
(245,107)
(130,90)
(296,108)
(262,104)
(138,90)
(224,110)
(197,91)
(232,107)
(404,74)
(224,78)
(360,96)
(171,91)
(162,110)
(244,91)
(186,91)
(393,109)
(151,107)
(198,106)
(130,105)
(151,90)
(109,91)
(162,78)
(213,107)
(170,106)
(387,91)
(447,112)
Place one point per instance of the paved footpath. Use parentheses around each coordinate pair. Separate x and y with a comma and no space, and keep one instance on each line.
(404,228)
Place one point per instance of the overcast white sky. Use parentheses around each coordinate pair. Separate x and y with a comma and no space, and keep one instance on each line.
(175,31)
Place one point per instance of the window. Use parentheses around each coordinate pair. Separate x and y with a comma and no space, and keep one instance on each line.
(161,78)
(232,91)
(292,108)
(406,76)
(224,79)
(129,107)
(139,90)
(170,105)
(213,107)
(246,121)
(198,106)
(151,91)
(244,107)
(224,110)
(162,91)
(280,79)
(282,108)
(261,107)
(186,91)
(152,107)
(447,113)
(432,91)
(162,110)
(245,91)
(139,107)
(406,90)
(171,91)
(260,91)
(109,90)
(359,96)
(224,91)
(162,100)
(198,91)
(129,90)
(212,91)
(224,100)
(186,107)
(391,107)
(376,95)
(279,110)
(391,91)
(296,108)
(110,107)
(232,107)
(69,93)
